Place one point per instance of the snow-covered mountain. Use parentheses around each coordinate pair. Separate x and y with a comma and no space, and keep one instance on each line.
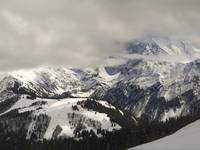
(54,102)
(185,138)
(164,46)
(54,81)
(158,89)
(158,79)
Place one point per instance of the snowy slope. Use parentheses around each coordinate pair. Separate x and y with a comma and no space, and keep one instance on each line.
(185,138)
(58,111)
(62,114)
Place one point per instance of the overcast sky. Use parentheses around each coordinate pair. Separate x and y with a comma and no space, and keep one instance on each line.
(84,32)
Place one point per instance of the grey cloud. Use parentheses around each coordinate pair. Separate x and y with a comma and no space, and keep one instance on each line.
(83,33)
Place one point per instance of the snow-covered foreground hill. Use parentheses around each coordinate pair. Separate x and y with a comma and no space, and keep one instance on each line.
(185,138)
(64,117)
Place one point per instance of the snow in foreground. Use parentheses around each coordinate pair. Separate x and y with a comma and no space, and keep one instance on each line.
(185,138)
(61,113)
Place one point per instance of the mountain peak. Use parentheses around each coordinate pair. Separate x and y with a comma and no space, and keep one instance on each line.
(165,46)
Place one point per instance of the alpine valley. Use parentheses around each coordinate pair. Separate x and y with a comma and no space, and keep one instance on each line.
(149,91)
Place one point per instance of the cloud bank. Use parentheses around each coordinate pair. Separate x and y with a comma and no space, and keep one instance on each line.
(84,32)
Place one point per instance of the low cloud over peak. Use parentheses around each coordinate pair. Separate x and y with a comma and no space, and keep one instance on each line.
(84,33)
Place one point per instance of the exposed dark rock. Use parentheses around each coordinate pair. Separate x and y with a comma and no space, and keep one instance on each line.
(57,131)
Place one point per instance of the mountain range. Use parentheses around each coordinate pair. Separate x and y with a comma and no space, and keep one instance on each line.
(154,78)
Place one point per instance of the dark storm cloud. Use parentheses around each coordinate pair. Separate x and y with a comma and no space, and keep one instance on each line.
(84,32)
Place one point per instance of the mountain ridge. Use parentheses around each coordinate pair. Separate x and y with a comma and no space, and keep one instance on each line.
(150,88)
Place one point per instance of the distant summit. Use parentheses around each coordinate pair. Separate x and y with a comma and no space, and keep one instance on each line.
(163,46)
